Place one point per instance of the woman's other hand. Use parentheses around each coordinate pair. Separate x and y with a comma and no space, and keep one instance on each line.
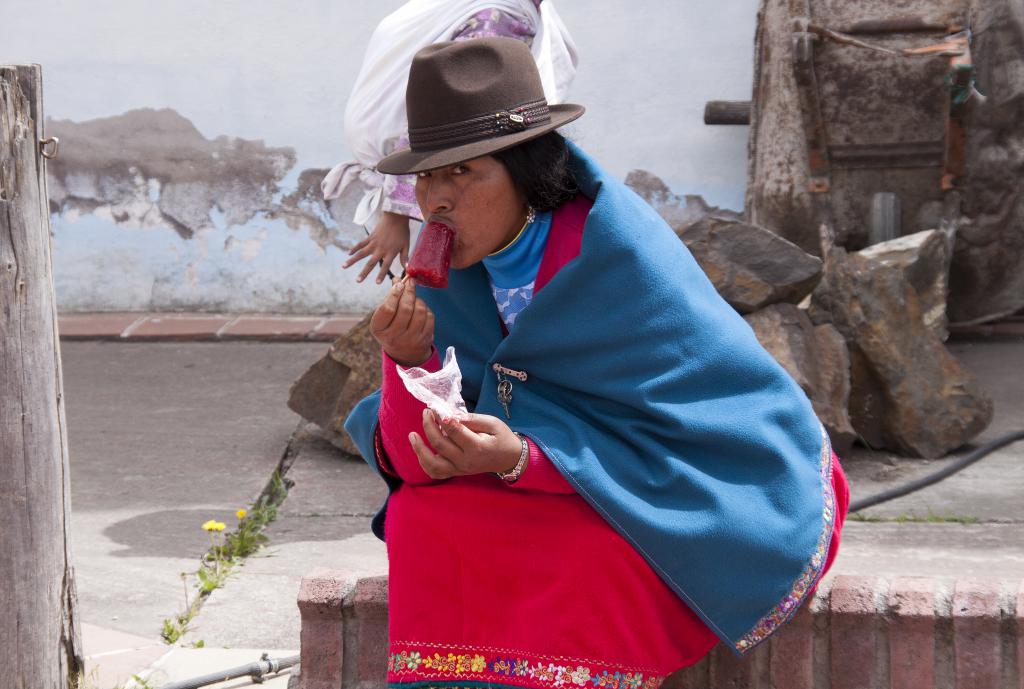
(390,238)
(476,444)
(404,325)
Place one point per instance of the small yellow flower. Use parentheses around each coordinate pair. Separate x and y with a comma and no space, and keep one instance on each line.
(219,526)
(241,513)
(211,525)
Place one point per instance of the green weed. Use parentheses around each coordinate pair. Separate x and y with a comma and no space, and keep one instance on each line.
(176,627)
(226,551)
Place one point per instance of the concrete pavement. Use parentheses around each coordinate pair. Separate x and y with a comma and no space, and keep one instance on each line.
(164,436)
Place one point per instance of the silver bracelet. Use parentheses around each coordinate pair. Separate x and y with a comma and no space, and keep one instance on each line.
(514,474)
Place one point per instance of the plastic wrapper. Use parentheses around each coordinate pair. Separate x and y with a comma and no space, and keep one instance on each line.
(440,391)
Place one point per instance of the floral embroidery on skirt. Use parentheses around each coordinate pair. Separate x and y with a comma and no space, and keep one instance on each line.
(419,664)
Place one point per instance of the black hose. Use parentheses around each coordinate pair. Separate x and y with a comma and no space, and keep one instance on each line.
(937,476)
(255,670)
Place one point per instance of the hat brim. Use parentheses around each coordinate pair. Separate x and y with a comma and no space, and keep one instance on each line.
(406,161)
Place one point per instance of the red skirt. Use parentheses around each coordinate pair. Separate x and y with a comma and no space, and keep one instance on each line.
(531,589)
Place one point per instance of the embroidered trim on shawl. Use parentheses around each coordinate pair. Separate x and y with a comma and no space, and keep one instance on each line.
(419,664)
(785,609)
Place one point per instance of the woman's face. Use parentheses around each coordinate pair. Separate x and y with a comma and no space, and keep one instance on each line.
(478,200)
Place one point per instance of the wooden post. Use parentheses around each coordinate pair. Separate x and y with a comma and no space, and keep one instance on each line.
(40,644)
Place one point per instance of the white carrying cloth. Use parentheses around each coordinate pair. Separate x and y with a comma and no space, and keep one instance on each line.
(375,115)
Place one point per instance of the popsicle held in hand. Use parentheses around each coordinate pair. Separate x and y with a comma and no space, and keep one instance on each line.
(432,256)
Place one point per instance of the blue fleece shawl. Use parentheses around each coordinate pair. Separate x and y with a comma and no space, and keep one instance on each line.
(655,400)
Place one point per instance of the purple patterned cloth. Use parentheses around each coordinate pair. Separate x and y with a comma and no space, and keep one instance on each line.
(400,190)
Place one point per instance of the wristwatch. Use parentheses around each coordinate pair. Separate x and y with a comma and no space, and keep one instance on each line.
(513,474)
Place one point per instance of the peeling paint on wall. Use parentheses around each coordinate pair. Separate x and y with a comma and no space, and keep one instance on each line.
(273,77)
(190,222)
(153,168)
(247,247)
(305,209)
(148,167)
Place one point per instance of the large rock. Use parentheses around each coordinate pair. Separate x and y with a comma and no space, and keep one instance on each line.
(816,358)
(924,258)
(932,405)
(834,386)
(750,266)
(987,277)
(327,392)
(867,402)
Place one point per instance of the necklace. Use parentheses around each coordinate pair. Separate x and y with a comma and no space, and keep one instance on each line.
(531,215)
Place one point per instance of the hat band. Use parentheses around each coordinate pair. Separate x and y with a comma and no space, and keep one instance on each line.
(522,117)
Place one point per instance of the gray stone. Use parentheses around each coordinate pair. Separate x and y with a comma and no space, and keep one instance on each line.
(867,402)
(924,258)
(750,266)
(330,388)
(990,490)
(932,404)
(678,211)
(816,358)
(832,400)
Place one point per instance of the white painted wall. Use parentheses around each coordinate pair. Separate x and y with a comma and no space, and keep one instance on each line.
(280,72)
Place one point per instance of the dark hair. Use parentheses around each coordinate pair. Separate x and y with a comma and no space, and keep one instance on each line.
(540,171)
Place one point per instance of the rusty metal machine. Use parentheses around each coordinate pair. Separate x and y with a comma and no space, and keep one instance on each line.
(868,118)
(860,121)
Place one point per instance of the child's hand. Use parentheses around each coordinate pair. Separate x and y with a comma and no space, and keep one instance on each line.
(390,238)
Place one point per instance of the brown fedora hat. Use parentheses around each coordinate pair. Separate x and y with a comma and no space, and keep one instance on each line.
(467,99)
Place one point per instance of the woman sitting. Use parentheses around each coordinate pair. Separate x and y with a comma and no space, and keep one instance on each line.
(637,478)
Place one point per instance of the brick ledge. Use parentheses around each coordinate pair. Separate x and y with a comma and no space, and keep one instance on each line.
(859,632)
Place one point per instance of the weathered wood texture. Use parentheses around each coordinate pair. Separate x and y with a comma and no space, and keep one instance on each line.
(39,639)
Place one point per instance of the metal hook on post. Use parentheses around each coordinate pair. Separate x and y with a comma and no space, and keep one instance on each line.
(49,155)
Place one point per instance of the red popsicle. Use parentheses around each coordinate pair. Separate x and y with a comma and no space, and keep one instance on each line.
(432,256)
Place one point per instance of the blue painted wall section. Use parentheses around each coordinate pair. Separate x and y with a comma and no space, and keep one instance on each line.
(189,171)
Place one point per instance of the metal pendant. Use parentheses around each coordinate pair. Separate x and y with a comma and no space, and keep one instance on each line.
(505,394)
(505,385)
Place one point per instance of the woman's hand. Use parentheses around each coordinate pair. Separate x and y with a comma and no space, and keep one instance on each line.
(390,238)
(475,445)
(404,325)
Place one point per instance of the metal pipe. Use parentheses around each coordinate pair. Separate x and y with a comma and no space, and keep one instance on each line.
(265,665)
